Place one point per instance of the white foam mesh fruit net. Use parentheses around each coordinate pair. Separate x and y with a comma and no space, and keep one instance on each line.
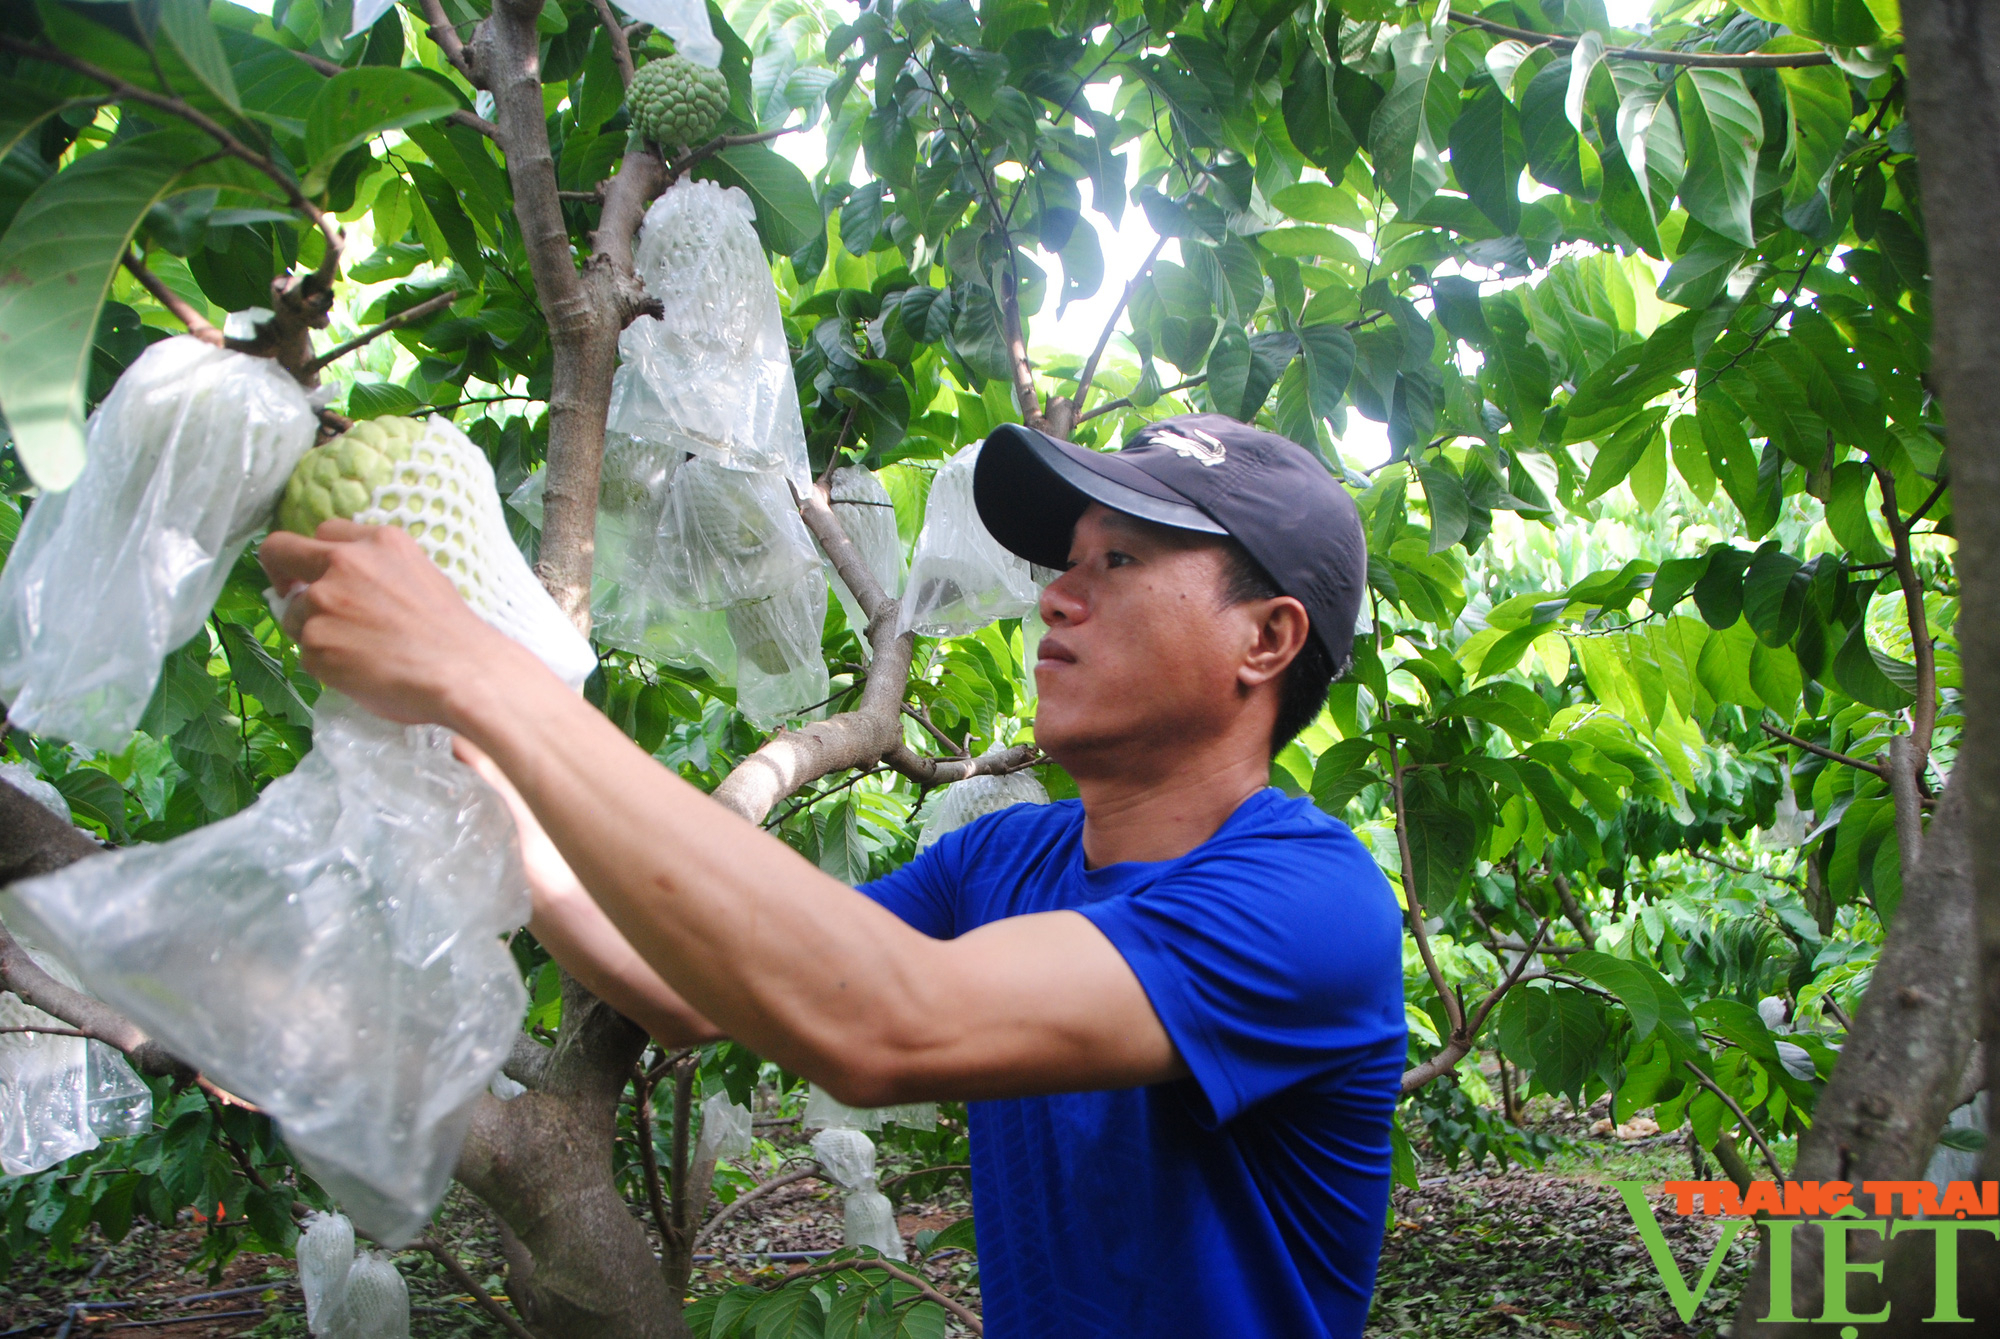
(443,496)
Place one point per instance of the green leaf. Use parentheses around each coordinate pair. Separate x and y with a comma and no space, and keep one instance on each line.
(1444,498)
(1817,98)
(1730,454)
(56,263)
(186,24)
(1313,119)
(23,107)
(1848,514)
(259,674)
(1650,136)
(1407,136)
(1616,457)
(374,399)
(1649,476)
(1846,23)
(1724,130)
(1557,155)
(1775,675)
(1691,457)
(356,105)
(1857,668)
(1487,157)
(788,213)
(1441,849)
(1568,1046)
(1649,997)
(95,795)
(1329,362)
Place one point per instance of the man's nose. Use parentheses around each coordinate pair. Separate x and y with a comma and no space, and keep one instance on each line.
(1061,601)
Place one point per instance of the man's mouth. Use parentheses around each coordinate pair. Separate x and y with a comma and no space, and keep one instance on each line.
(1052,650)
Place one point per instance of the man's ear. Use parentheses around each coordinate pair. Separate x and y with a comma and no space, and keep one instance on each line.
(1281,632)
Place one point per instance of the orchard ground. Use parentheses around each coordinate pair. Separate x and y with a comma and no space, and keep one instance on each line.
(1546,1251)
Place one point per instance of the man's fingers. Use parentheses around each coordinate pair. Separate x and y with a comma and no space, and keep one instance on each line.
(336,530)
(291,560)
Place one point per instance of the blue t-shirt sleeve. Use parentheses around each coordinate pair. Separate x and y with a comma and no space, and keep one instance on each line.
(923,892)
(1269,961)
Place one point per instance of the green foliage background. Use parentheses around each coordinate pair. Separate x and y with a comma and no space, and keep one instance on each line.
(1648,341)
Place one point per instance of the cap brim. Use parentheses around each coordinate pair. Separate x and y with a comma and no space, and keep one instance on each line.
(1030,489)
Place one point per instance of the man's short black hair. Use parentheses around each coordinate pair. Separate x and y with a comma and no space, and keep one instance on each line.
(1312,671)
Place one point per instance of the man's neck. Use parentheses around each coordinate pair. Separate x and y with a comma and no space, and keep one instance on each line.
(1163,807)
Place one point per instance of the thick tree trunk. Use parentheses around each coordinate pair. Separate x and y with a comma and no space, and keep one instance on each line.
(1953,51)
(579,1264)
(1879,1118)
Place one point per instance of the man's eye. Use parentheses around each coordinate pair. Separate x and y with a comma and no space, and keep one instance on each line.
(1116,559)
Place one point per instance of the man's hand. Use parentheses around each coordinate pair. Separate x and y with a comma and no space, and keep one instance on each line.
(376,619)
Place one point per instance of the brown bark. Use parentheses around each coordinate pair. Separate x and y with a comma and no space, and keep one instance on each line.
(1953,51)
(1900,1068)
(542,1162)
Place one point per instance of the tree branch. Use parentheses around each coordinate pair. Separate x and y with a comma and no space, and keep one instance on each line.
(1819,749)
(621,50)
(1742,869)
(1923,715)
(462,1276)
(447,40)
(1103,341)
(175,107)
(1125,400)
(649,1157)
(183,310)
(680,165)
(1770,1158)
(1572,910)
(751,1196)
(1414,912)
(396,322)
(1702,59)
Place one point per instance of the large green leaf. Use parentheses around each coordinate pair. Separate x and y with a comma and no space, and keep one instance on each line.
(1724,130)
(1487,157)
(56,263)
(1817,98)
(185,23)
(356,105)
(1616,458)
(788,214)
(1408,134)
(1847,23)
(1329,362)
(1650,135)
(1649,997)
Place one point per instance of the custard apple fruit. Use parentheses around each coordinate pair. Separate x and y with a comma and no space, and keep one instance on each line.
(677,103)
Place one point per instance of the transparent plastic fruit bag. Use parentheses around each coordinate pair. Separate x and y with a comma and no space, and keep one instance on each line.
(960,578)
(976,797)
(712,374)
(332,953)
(848,1157)
(187,456)
(863,507)
(59,1096)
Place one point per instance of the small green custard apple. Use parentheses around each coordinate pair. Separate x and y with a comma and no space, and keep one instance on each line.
(677,103)
(429,480)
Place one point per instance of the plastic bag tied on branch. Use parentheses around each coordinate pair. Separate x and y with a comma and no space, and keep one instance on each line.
(333,952)
(976,797)
(349,1294)
(960,578)
(60,1095)
(702,558)
(187,455)
(824,1111)
(848,1158)
(865,512)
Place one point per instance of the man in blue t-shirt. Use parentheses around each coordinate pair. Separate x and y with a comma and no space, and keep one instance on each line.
(1175,1005)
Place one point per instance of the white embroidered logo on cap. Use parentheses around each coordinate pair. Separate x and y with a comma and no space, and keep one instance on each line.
(1193,442)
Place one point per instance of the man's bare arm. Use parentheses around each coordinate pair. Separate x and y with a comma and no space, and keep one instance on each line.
(750,935)
(581,938)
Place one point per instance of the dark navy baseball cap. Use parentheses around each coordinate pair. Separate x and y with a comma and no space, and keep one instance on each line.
(1202,472)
